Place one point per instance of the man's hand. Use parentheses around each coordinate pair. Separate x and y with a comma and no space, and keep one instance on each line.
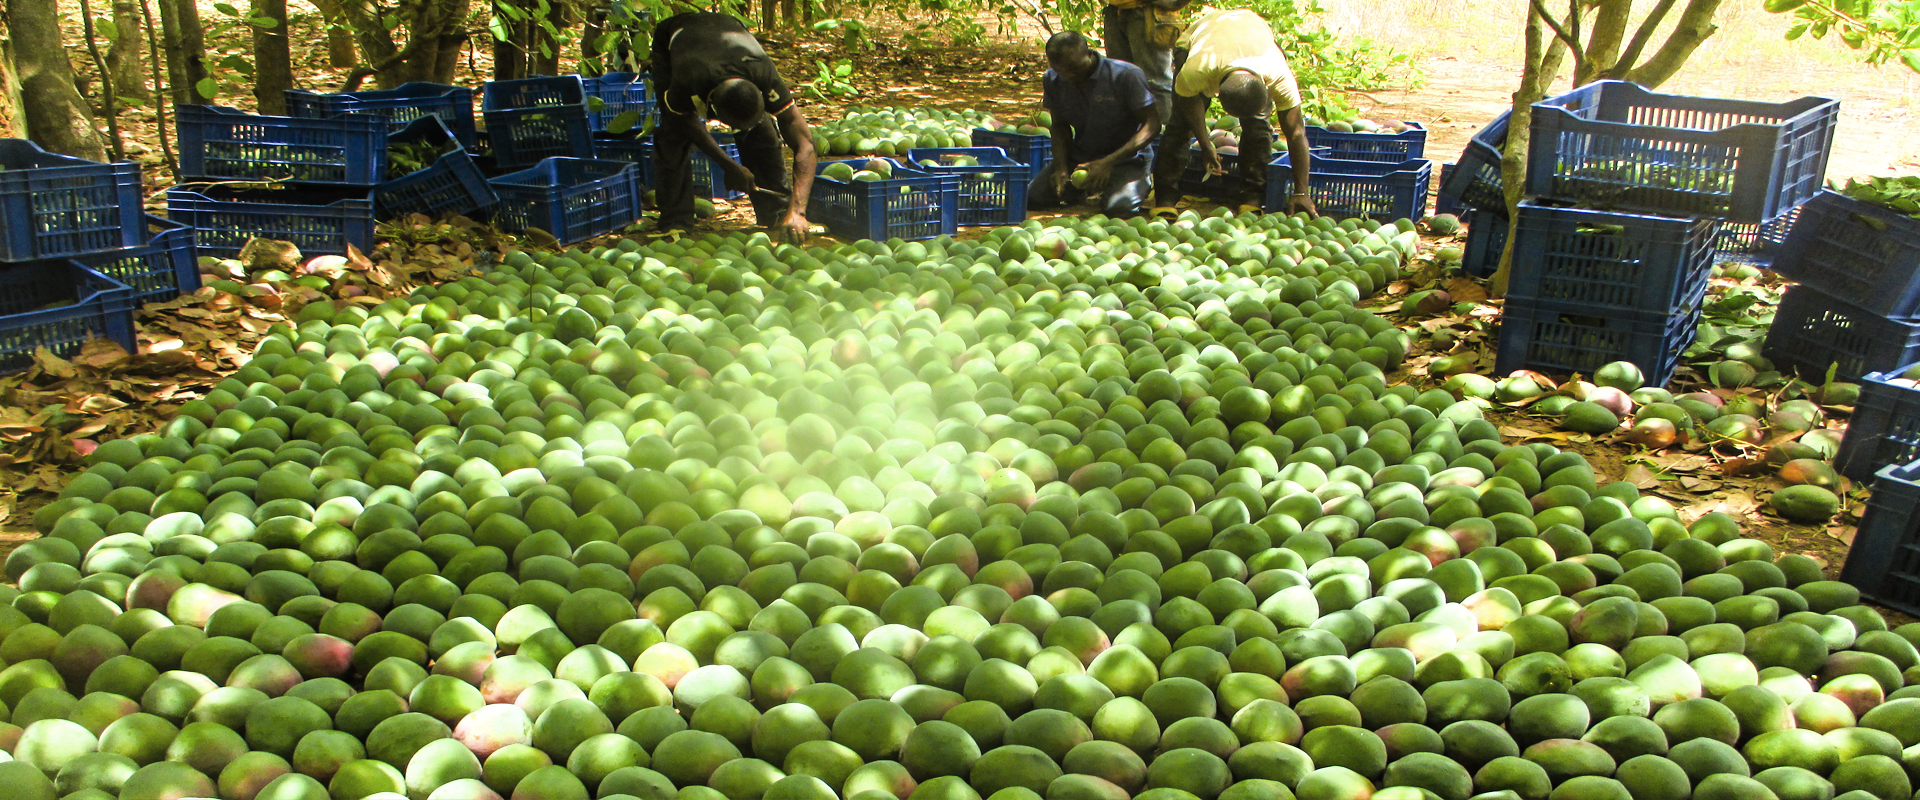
(1302,204)
(793,229)
(739,178)
(1098,172)
(1210,159)
(1061,171)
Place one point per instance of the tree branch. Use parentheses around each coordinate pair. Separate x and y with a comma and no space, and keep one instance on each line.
(1547,17)
(1603,44)
(109,103)
(1694,26)
(1631,55)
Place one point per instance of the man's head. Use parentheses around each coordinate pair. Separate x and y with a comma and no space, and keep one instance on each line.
(1069,55)
(1244,95)
(737,103)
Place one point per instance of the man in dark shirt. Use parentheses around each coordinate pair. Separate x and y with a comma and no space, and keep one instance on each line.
(706,66)
(1104,121)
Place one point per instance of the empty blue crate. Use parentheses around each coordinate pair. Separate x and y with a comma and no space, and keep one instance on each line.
(1195,180)
(1486,240)
(573,199)
(1861,253)
(911,205)
(318,220)
(1884,427)
(993,189)
(531,120)
(1813,332)
(1613,144)
(1475,181)
(398,106)
(1387,146)
(160,270)
(452,184)
(1376,190)
(1033,149)
(617,94)
(59,305)
(1884,559)
(52,206)
(1611,261)
(1557,339)
(1757,245)
(228,144)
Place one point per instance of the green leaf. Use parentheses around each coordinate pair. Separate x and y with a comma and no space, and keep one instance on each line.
(206,88)
(624,122)
(596,104)
(1796,31)
(227,9)
(1911,58)
(498,27)
(264,22)
(107,29)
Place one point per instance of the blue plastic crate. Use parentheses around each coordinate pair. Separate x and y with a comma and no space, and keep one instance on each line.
(544,92)
(1758,245)
(992,192)
(1475,181)
(913,205)
(1376,190)
(574,199)
(1034,150)
(228,144)
(1611,262)
(709,179)
(1442,204)
(160,270)
(1486,239)
(1858,252)
(52,206)
(1814,331)
(1392,148)
(1195,181)
(531,120)
(1884,559)
(1884,428)
(616,93)
(318,220)
(1613,144)
(398,106)
(1553,338)
(453,185)
(92,306)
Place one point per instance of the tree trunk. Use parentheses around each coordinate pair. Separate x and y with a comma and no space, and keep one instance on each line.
(1513,162)
(340,52)
(769,14)
(13,123)
(129,73)
(58,118)
(272,58)
(186,51)
(790,13)
(1693,28)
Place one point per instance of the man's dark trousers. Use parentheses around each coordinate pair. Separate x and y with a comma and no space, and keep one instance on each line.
(759,152)
(1125,195)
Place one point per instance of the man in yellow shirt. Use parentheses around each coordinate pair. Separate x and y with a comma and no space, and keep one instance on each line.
(1232,54)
